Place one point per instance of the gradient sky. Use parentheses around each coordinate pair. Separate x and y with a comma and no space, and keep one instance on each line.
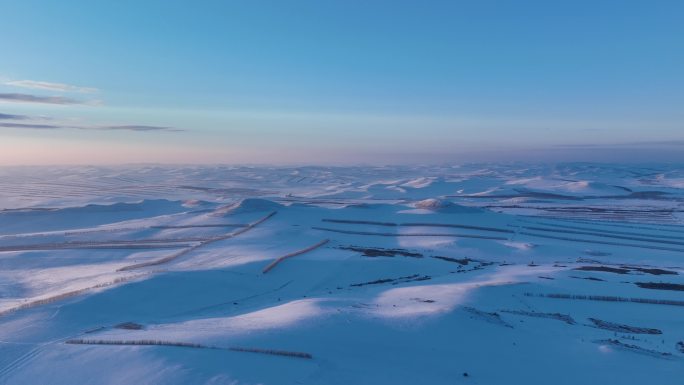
(347,81)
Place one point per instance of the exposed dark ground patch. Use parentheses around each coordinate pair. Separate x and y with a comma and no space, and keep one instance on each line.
(460,261)
(129,326)
(381,252)
(654,271)
(423,300)
(660,286)
(589,278)
(557,316)
(635,348)
(492,317)
(606,298)
(606,269)
(627,270)
(394,281)
(622,328)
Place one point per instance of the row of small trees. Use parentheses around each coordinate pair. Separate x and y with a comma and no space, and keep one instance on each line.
(80,341)
(62,296)
(294,254)
(203,242)
(137,342)
(610,298)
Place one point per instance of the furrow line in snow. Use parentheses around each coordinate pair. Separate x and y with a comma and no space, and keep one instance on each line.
(650,247)
(605,231)
(409,234)
(416,224)
(594,234)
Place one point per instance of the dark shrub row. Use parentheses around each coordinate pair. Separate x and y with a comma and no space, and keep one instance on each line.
(609,299)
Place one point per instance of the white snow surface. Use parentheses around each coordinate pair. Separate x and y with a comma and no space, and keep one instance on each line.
(466,274)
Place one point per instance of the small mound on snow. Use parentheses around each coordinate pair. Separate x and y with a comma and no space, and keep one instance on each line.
(193,203)
(444,206)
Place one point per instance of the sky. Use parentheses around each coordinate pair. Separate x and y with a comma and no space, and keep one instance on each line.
(340,82)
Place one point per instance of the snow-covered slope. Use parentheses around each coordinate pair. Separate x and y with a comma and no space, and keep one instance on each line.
(394,275)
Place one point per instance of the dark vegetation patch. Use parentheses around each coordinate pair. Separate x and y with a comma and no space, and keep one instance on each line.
(588,260)
(472,263)
(63,296)
(588,278)
(622,328)
(423,300)
(394,281)
(204,242)
(278,260)
(680,346)
(109,245)
(627,270)
(492,317)
(606,269)
(129,326)
(654,271)
(137,342)
(188,345)
(272,352)
(557,316)
(460,261)
(635,348)
(381,252)
(374,252)
(660,286)
(609,299)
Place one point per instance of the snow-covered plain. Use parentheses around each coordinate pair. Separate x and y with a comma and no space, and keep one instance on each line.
(480,274)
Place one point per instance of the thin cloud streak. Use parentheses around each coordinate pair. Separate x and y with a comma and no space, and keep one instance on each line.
(28,98)
(31,126)
(39,85)
(670,143)
(141,128)
(12,117)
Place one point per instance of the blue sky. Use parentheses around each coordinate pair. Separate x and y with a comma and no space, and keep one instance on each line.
(340,81)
